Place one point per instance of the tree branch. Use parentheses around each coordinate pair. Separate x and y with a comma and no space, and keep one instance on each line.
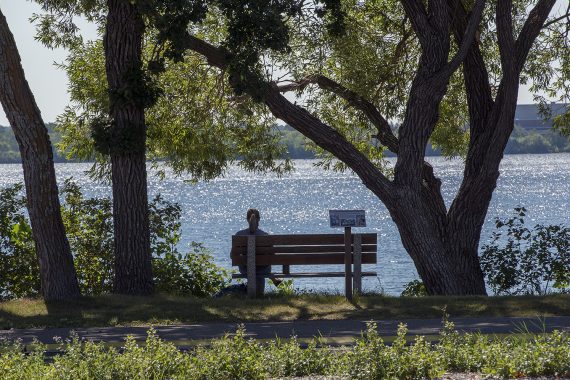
(505,34)
(417,14)
(479,97)
(531,29)
(554,21)
(467,40)
(385,134)
(320,133)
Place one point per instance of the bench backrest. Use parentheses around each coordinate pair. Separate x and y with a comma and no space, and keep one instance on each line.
(304,249)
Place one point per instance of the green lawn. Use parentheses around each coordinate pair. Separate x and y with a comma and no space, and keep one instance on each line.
(113,310)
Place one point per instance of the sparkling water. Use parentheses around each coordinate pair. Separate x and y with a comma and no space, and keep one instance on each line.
(299,202)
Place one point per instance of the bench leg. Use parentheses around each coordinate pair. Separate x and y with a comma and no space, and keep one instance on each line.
(251,270)
(357,279)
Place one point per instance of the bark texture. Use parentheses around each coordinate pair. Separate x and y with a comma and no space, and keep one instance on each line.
(443,243)
(123,42)
(58,277)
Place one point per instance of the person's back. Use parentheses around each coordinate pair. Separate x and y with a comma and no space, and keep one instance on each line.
(253,218)
(247,231)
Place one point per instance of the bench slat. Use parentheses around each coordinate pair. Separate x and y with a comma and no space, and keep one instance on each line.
(242,250)
(303,259)
(299,239)
(307,275)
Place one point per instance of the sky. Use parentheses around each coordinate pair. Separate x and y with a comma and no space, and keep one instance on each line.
(48,83)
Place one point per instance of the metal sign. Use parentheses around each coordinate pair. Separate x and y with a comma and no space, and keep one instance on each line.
(347,218)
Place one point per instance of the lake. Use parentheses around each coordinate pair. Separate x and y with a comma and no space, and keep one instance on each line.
(299,203)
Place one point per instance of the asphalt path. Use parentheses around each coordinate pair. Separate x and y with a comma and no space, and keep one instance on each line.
(300,329)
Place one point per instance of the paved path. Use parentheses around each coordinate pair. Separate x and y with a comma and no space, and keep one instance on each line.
(302,329)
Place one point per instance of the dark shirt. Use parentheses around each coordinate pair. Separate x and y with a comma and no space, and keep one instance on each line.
(246,232)
(259,269)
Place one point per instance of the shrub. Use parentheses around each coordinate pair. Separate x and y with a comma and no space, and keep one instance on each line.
(191,274)
(285,288)
(286,358)
(239,357)
(232,357)
(18,264)
(89,228)
(414,288)
(527,261)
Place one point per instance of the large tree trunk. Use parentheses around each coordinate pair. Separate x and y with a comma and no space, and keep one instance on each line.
(445,255)
(58,277)
(123,42)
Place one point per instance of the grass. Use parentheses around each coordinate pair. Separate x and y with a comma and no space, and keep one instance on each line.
(115,310)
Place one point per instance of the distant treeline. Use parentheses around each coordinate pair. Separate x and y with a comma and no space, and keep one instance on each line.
(9,152)
(521,141)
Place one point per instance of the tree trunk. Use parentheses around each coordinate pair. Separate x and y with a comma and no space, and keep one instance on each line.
(58,277)
(445,256)
(123,42)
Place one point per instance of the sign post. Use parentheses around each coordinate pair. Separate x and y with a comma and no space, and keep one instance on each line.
(347,263)
(347,219)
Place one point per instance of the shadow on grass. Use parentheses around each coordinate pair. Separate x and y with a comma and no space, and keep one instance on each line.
(115,310)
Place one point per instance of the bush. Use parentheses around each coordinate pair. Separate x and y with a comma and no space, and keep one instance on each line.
(371,358)
(191,274)
(527,261)
(18,263)
(414,288)
(89,228)
(239,357)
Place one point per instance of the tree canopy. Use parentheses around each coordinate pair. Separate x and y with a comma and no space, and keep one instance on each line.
(368,47)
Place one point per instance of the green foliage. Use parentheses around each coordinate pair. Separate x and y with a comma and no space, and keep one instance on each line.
(297,144)
(368,47)
(57,28)
(527,261)
(562,122)
(414,288)
(171,19)
(18,266)
(109,140)
(232,357)
(89,227)
(182,129)
(286,358)
(284,288)
(187,274)
(373,359)
(9,152)
(239,357)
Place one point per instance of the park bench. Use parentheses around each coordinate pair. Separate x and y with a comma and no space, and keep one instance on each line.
(352,250)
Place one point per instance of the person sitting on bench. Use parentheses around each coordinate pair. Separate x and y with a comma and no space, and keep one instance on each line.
(253,218)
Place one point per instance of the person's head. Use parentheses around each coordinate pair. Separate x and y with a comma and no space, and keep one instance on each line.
(253,219)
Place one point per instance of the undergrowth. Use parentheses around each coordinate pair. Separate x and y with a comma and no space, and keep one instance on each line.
(238,357)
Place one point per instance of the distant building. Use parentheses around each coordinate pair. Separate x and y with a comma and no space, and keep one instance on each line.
(528,117)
